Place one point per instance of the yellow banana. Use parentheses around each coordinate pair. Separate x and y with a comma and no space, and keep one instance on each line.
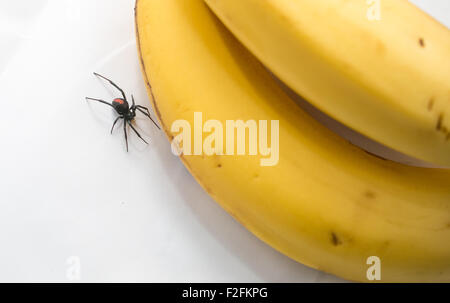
(380,67)
(326,203)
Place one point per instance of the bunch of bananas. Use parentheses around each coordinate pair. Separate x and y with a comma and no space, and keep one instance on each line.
(326,203)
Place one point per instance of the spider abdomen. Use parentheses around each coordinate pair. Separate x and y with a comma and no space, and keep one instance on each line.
(121,106)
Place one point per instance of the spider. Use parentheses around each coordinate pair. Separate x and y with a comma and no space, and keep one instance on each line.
(125,112)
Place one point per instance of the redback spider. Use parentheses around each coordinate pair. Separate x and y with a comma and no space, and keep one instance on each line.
(125,112)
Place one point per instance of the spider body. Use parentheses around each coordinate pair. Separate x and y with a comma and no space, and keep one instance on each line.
(125,111)
(123,108)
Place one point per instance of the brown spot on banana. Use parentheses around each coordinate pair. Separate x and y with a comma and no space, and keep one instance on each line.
(421,42)
(439,122)
(431,104)
(370,194)
(335,239)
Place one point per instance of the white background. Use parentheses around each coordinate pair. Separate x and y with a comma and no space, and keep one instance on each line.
(69,192)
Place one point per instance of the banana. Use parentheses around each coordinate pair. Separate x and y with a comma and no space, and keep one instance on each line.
(327,203)
(388,79)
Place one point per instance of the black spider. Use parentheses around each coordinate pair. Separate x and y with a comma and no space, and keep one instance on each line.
(125,112)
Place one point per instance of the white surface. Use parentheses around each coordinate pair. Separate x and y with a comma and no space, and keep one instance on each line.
(69,189)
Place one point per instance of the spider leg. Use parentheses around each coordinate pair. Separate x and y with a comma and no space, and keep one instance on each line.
(143,107)
(98,100)
(132,127)
(132,98)
(113,84)
(139,108)
(125,132)
(114,124)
